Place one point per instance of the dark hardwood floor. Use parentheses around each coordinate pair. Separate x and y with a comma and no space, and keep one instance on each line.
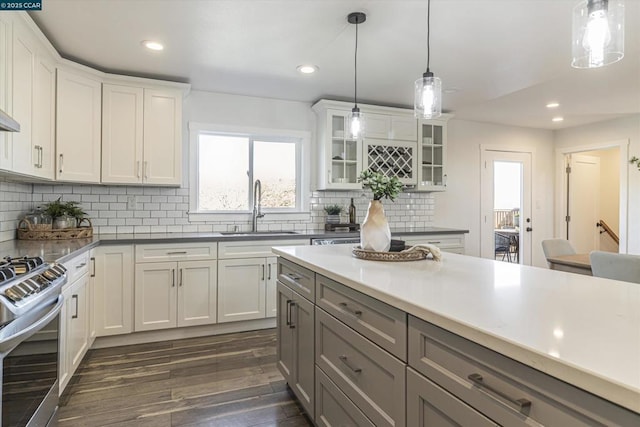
(223,381)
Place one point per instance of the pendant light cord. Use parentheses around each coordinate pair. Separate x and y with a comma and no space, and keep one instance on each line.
(355,68)
(428,33)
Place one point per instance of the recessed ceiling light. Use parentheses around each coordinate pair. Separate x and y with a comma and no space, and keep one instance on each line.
(557,119)
(150,44)
(553,105)
(307,69)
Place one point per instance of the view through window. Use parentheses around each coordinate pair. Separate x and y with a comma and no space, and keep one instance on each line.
(228,165)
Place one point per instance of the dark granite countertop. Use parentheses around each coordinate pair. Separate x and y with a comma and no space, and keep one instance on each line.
(62,250)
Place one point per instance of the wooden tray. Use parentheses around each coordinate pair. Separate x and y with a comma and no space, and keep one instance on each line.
(360,253)
(27,232)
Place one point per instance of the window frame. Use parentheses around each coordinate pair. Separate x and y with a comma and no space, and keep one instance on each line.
(302,141)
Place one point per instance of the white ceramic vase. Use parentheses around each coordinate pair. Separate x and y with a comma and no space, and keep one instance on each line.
(375,234)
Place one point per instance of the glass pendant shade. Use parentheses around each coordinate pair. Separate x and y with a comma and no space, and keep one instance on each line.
(356,123)
(427,102)
(598,33)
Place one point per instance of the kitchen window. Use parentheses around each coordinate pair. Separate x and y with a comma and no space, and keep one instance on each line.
(225,164)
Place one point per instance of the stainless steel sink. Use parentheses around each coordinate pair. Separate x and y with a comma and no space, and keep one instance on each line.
(259,233)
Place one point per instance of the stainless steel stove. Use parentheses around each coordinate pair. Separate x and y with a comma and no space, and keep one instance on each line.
(30,304)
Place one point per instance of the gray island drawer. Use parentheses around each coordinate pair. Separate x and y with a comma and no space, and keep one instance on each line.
(372,378)
(298,278)
(381,323)
(333,408)
(508,392)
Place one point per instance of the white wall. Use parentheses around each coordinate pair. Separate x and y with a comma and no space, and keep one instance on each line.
(627,128)
(609,186)
(459,206)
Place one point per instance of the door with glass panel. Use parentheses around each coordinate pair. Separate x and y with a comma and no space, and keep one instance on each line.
(506,223)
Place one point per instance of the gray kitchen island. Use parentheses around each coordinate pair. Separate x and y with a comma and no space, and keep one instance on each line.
(465,341)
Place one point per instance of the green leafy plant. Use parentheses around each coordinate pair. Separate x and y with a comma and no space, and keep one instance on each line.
(635,161)
(58,208)
(382,186)
(333,209)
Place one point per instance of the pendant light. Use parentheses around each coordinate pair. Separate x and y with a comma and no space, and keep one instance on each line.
(427,101)
(598,33)
(356,121)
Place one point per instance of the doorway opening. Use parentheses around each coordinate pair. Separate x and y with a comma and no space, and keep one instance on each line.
(591,196)
(506,206)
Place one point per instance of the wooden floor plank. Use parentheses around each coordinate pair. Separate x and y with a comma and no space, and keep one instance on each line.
(224,380)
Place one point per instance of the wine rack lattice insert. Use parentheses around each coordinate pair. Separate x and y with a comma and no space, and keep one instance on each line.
(391,161)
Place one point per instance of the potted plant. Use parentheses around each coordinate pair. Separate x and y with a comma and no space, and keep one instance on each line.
(375,234)
(333,213)
(64,214)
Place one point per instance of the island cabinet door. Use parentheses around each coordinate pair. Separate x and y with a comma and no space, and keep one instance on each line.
(285,333)
(302,323)
(429,405)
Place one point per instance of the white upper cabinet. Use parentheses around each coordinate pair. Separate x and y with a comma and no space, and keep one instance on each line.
(141,135)
(122,109)
(392,132)
(23,61)
(33,103)
(163,136)
(78,119)
(432,154)
(6,152)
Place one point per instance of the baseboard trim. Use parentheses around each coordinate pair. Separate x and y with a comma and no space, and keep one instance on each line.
(179,333)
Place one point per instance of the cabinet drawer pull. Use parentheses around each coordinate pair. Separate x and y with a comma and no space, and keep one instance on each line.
(434,243)
(75,297)
(344,360)
(293,276)
(81,265)
(177,253)
(291,324)
(520,403)
(173,277)
(349,310)
(93,265)
(61,163)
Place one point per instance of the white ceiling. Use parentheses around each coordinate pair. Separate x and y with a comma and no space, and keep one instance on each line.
(505,58)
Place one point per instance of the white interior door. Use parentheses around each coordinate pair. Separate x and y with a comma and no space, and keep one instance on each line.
(583,208)
(519,163)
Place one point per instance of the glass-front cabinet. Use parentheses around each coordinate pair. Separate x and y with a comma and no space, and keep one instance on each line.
(339,155)
(432,154)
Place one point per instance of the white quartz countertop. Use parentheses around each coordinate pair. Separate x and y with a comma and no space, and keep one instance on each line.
(580,329)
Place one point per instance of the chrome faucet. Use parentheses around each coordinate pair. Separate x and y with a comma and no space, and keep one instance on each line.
(257,201)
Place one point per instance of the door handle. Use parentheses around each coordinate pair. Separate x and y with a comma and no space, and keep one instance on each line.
(61,163)
(269,274)
(93,267)
(263,271)
(529,229)
(138,168)
(180,278)
(173,277)
(75,296)
(37,163)
(146,170)
(41,150)
(288,321)
(291,324)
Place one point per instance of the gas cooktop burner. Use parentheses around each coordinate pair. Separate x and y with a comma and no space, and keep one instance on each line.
(26,283)
(12,267)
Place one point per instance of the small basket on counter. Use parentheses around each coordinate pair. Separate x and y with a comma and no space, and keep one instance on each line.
(29,231)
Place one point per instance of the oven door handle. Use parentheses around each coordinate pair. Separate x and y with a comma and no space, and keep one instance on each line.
(9,343)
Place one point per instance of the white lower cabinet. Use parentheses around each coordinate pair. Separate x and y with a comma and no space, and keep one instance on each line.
(172,294)
(247,276)
(111,272)
(74,328)
(242,294)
